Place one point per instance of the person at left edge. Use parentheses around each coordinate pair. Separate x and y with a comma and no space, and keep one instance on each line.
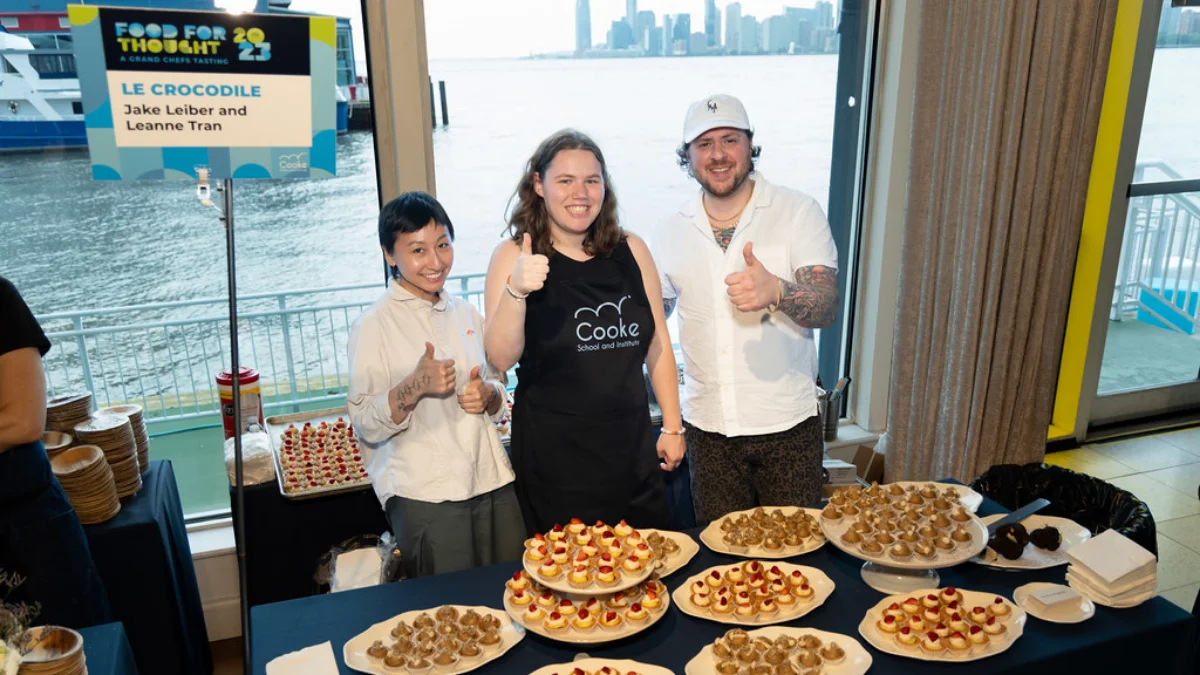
(423,399)
(41,538)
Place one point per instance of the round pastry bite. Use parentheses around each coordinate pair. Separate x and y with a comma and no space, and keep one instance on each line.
(850,510)
(519,581)
(470,650)
(884,538)
(580,576)
(914,499)
(940,521)
(445,659)
(651,600)
(520,598)
(808,658)
(747,656)
(632,565)
(377,650)
(607,576)
(767,607)
(942,504)
(900,551)
(402,629)
(863,527)
(961,535)
(556,533)
(775,656)
(804,592)
(549,570)
(832,653)
(851,537)
(447,628)
(909,536)
(534,613)
(722,606)
(911,606)
(547,599)
(470,618)
(721,649)
(925,550)
(809,641)
(537,554)
(999,608)
(978,615)
(940,628)
(714,579)
(584,621)
(932,615)
(895,490)
(737,638)
(786,668)
(397,660)
(880,500)
(450,642)
(977,636)
(888,624)
(993,626)
(906,637)
(565,607)
(701,599)
(728,667)
(555,622)
(561,555)
(957,623)
(933,643)
(426,635)
(916,623)
(490,638)
(928,531)
(950,594)
(1047,538)
(670,546)
(871,547)
(944,543)
(772,543)
(928,491)
(959,514)
(831,512)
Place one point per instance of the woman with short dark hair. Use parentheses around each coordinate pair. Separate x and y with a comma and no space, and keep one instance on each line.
(576,302)
(423,400)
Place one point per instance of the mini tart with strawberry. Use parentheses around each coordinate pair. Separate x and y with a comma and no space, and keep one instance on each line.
(888,624)
(773,574)
(698,586)
(632,564)
(941,629)
(932,615)
(611,620)
(957,642)
(957,623)
(767,607)
(576,526)
(584,621)
(556,533)
(547,599)
(735,574)
(520,598)
(911,606)
(978,615)
(977,635)
(714,579)
(555,622)
(618,600)
(637,613)
(533,613)
(906,637)
(608,576)
(752,567)
(950,594)
(565,607)
(535,541)
(701,599)
(999,608)
(623,529)
(538,554)
(549,570)
(931,601)
(633,539)
(580,576)
(932,643)
(756,581)
(643,552)
(519,581)
(804,592)
(722,606)
(895,610)
(796,579)
(916,623)
(651,600)
(994,627)
(745,612)
(561,555)
(599,529)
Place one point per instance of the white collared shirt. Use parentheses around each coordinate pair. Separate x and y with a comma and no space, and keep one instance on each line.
(439,452)
(747,373)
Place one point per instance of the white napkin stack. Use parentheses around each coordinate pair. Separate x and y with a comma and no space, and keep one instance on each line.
(314,660)
(1113,570)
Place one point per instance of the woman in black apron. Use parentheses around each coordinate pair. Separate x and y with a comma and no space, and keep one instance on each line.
(578,301)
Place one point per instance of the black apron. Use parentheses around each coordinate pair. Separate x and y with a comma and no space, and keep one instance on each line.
(582,445)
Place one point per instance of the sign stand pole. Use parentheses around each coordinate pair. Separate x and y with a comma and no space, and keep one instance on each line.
(239,509)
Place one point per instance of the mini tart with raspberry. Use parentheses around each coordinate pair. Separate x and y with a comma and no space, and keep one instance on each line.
(804,592)
(906,637)
(520,598)
(637,613)
(888,624)
(999,608)
(950,594)
(797,578)
(611,620)
(519,581)
(977,635)
(584,621)
(549,570)
(623,529)
(533,613)
(994,627)
(932,643)
(957,642)
(555,622)
(547,599)
(576,526)
(651,600)
(701,599)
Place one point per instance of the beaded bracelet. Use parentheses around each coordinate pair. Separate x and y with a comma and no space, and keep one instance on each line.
(677,432)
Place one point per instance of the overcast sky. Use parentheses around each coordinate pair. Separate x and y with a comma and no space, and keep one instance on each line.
(468,29)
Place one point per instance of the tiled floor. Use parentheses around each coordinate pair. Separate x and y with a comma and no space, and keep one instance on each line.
(1164,472)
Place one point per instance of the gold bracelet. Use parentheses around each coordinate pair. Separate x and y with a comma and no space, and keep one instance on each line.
(774,307)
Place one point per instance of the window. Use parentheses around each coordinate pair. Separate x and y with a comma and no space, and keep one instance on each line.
(76,108)
(137,312)
(10,22)
(53,66)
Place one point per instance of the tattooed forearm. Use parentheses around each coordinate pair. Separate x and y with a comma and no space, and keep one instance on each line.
(406,395)
(669,306)
(811,301)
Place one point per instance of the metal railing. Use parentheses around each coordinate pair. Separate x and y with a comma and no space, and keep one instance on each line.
(165,356)
(1159,268)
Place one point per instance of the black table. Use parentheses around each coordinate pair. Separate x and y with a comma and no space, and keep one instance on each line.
(1155,637)
(107,650)
(285,537)
(146,563)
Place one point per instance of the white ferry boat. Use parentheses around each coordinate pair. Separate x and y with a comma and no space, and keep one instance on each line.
(37,112)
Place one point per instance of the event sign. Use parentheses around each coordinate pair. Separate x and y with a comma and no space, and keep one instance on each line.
(166,92)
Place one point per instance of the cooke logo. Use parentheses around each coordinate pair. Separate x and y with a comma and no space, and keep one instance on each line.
(296,162)
(604,327)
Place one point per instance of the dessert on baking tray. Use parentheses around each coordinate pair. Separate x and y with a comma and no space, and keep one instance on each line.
(321,456)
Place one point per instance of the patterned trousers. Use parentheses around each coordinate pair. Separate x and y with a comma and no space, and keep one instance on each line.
(741,472)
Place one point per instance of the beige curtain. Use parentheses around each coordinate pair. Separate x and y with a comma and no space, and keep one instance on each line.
(1008,96)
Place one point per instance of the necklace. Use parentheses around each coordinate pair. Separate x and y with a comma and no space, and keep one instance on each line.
(713,219)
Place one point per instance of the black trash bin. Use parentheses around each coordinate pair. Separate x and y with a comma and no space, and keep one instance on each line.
(1091,502)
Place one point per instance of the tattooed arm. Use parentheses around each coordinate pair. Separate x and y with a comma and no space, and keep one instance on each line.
(812,299)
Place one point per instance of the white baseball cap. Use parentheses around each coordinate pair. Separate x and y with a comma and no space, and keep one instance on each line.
(714,112)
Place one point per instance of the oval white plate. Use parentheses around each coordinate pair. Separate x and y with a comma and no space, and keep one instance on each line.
(714,538)
(970,499)
(822,588)
(597,635)
(858,659)
(885,642)
(1075,611)
(354,652)
(622,666)
(1034,558)
(688,548)
(962,553)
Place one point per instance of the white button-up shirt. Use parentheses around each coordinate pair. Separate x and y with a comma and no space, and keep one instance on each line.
(439,452)
(747,373)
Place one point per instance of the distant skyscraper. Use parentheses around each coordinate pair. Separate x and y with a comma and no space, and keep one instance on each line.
(621,36)
(824,14)
(804,36)
(748,35)
(652,43)
(698,44)
(631,14)
(733,22)
(712,29)
(645,22)
(668,29)
(776,35)
(683,27)
(583,25)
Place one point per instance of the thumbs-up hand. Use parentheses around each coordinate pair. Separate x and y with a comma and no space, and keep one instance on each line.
(434,376)
(755,288)
(529,274)
(477,396)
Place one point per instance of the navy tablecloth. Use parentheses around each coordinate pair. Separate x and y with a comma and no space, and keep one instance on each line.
(146,563)
(107,650)
(1156,637)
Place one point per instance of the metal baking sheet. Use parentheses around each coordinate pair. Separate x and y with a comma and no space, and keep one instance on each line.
(276,424)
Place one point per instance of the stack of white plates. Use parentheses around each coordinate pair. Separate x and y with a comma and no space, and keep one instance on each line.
(134,412)
(114,435)
(88,482)
(1113,570)
(64,412)
(53,650)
